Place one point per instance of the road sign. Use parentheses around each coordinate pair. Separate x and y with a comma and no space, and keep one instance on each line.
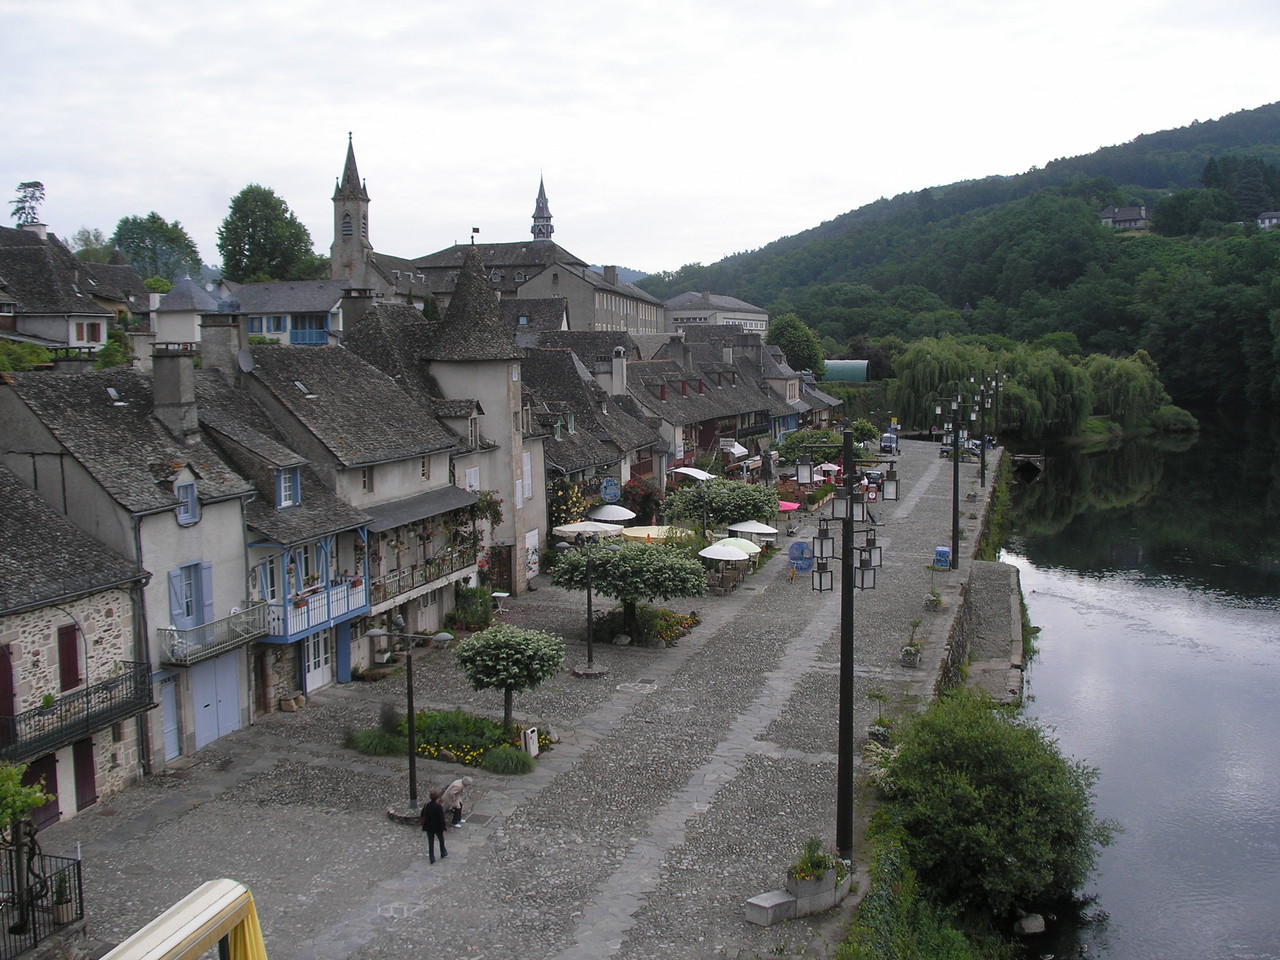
(610,490)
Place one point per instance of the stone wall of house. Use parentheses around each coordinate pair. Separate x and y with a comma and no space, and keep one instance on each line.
(106,638)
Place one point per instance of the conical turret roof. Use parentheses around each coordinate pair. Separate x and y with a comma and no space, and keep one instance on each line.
(472,328)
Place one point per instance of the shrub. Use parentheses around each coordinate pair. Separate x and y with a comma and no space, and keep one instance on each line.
(814,861)
(1171,419)
(473,607)
(377,743)
(507,760)
(390,720)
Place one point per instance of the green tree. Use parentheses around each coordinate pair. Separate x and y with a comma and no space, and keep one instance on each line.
(724,502)
(261,238)
(637,572)
(16,800)
(821,445)
(116,352)
(993,816)
(25,207)
(22,356)
(91,245)
(157,248)
(800,345)
(430,308)
(511,659)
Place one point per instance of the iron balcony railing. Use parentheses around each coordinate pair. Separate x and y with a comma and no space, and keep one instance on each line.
(76,715)
(50,894)
(185,647)
(419,574)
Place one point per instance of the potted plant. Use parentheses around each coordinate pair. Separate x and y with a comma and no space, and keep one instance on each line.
(881,728)
(910,652)
(64,910)
(47,703)
(933,600)
(817,878)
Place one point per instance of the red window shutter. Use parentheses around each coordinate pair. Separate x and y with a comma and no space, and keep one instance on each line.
(69,656)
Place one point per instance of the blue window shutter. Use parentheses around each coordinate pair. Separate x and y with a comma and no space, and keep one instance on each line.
(297,485)
(175,600)
(206,592)
(279,488)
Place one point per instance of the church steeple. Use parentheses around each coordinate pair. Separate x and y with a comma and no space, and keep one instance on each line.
(542,228)
(350,252)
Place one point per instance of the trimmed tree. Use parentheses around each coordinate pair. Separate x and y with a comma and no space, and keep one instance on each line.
(510,659)
(725,502)
(637,572)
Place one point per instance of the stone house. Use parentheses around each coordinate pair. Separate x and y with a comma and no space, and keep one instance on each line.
(74,679)
(50,290)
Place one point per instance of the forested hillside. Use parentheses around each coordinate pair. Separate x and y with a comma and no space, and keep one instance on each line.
(1026,256)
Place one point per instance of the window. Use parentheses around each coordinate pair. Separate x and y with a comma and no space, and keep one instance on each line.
(188,503)
(472,481)
(289,488)
(473,431)
(254,324)
(69,656)
(275,323)
(309,329)
(366,479)
(272,585)
(346,225)
(426,468)
(191,595)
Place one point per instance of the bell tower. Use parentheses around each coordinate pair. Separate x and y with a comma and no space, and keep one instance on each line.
(542,228)
(350,252)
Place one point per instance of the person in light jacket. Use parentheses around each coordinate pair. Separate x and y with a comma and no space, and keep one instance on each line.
(451,799)
(432,820)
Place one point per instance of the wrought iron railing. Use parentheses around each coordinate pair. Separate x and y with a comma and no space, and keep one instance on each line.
(36,898)
(419,574)
(76,715)
(185,647)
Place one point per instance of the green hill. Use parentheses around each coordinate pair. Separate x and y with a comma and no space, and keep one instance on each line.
(1024,256)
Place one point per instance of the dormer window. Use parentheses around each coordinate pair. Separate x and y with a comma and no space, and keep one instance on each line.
(473,431)
(188,503)
(573,423)
(288,487)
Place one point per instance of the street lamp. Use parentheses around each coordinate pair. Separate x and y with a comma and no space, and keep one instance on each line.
(955,408)
(849,507)
(397,623)
(586,542)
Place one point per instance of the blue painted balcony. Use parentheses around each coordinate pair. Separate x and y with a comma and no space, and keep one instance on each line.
(317,607)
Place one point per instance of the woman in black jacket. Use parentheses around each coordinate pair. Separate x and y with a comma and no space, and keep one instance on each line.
(433,823)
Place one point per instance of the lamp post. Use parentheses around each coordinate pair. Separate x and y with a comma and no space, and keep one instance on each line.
(586,542)
(849,508)
(397,623)
(956,407)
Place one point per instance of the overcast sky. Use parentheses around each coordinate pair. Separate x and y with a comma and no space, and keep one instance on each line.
(668,131)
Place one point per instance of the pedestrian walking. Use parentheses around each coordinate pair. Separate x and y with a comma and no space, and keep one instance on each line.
(432,820)
(451,799)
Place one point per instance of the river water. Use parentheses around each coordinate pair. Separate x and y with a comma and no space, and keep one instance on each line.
(1153,572)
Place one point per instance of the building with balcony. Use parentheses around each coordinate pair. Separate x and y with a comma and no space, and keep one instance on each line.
(122,456)
(72,686)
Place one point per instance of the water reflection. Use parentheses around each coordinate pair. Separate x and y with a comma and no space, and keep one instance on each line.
(1153,574)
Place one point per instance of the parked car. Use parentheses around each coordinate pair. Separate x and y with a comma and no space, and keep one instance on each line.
(889,443)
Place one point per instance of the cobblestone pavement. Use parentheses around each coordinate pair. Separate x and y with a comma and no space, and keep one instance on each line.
(682,784)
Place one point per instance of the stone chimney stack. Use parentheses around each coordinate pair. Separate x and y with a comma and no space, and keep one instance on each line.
(174,389)
(611,275)
(41,230)
(220,342)
(618,371)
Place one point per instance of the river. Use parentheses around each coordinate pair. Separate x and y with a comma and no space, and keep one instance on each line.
(1153,571)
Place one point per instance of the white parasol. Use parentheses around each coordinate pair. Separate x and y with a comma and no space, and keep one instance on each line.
(694,472)
(588,528)
(739,543)
(718,552)
(751,526)
(611,512)
(655,534)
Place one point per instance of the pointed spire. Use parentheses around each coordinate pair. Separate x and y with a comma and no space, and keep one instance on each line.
(351,187)
(472,328)
(542,228)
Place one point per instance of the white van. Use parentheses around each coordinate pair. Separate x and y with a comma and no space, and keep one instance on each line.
(889,443)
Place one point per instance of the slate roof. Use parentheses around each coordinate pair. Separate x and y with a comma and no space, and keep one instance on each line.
(394,337)
(288,296)
(711,301)
(360,414)
(246,437)
(542,314)
(472,328)
(646,378)
(44,558)
(187,296)
(598,282)
(591,345)
(44,277)
(125,448)
(558,375)
(118,280)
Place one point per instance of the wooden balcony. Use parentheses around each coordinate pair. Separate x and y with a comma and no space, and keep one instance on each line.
(317,607)
(185,647)
(396,582)
(76,715)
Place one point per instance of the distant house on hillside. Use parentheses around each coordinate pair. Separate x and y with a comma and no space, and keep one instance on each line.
(1125,218)
(1269,219)
(697,309)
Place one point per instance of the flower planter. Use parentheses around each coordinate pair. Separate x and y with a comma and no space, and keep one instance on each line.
(909,656)
(64,912)
(815,894)
(933,602)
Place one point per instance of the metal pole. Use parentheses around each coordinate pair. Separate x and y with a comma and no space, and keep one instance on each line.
(844,764)
(413,732)
(982,427)
(955,484)
(590,619)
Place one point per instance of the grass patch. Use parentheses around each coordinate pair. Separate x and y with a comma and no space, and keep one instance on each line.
(508,761)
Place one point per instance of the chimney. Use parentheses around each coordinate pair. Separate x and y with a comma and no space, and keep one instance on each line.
(174,387)
(220,342)
(748,345)
(357,301)
(72,360)
(706,295)
(618,373)
(611,275)
(41,230)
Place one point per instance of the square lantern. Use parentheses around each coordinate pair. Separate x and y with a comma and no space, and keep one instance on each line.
(864,574)
(889,485)
(858,506)
(872,549)
(824,580)
(824,544)
(840,504)
(804,469)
